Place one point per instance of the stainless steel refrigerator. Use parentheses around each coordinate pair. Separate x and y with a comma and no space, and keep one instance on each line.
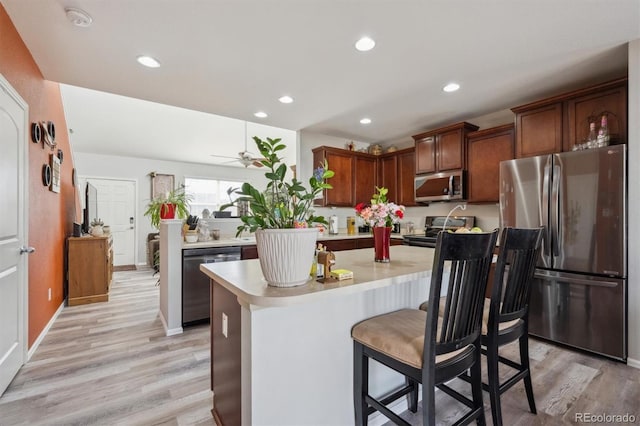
(579,295)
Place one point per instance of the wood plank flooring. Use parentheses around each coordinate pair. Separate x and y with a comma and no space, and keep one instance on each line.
(110,363)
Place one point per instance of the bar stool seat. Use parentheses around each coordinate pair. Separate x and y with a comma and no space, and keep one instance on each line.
(400,335)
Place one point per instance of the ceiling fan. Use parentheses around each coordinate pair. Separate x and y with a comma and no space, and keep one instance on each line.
(245,157)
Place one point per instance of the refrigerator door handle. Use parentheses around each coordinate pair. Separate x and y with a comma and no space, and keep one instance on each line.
(546,245)
(555,210)
(570,280)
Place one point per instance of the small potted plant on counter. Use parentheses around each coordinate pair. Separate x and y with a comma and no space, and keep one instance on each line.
(169,206)
(281,217)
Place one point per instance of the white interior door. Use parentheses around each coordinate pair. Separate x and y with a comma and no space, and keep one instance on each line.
(116,208)
(13,234)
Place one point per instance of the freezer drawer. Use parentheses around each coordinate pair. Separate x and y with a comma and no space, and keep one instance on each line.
(583,311)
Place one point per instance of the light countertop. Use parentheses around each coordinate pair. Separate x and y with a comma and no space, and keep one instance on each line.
(244,278)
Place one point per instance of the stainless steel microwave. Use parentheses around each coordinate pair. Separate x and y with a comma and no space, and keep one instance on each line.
(442,186)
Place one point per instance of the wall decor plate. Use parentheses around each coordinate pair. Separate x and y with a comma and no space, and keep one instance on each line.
(51,129)
(36,133)
(46,175)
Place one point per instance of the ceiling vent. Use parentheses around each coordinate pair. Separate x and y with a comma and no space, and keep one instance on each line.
(78,17)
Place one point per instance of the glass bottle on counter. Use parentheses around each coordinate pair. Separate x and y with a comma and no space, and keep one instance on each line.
(603,133)
(591,139)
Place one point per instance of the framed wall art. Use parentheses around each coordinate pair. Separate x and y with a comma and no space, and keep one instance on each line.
(161,184)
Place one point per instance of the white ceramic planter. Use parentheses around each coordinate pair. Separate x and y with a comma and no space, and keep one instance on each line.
(286,255)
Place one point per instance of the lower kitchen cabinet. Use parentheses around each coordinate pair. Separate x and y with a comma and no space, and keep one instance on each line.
(353,243)
(249,252)
(486,149)
(90,269)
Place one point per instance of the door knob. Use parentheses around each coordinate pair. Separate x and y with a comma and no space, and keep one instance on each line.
(28,250)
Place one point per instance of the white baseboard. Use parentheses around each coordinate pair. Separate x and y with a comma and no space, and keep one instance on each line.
(44,332)
(169,331)
(633,363)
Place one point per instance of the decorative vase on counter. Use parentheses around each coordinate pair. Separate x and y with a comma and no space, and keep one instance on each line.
(285,255)
(381,243)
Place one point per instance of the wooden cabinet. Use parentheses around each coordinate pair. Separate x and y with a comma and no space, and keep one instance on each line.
(396,172)
(406,176)
(556,124)
(364,178)
(249,252)
(588,108)
(539,130)
(485,150)
(355,176)
(341,162)
(388,175)
(442,149)
(90,269)
(353,243)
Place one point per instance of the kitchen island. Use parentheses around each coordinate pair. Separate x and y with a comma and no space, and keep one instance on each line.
(284,356)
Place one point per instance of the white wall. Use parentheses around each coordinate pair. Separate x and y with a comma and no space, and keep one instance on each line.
(138,169)
(634,204)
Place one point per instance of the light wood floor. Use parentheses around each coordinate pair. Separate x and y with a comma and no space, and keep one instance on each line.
(110,363)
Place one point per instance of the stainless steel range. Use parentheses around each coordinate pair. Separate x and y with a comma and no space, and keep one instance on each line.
(435,224)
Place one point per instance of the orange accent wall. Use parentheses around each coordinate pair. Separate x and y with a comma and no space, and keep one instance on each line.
(50,214)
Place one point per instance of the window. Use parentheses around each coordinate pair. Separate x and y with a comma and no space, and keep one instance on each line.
(210,194)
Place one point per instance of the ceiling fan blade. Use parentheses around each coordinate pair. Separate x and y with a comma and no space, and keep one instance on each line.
(223,156)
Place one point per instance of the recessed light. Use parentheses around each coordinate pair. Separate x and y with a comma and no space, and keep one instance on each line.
(78,17)
(365,44)
(451,87)
(148,61)
(261,114)
(286,99)
(365,121)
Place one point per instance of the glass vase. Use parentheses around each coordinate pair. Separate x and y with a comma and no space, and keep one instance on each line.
(381,243)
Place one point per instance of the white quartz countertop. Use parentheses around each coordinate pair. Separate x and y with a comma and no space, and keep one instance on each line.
(247,241)
(244,277)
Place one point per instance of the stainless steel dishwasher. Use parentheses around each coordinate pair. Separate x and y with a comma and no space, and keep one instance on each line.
(195,284)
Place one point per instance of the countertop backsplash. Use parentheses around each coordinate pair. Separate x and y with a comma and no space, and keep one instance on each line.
(487,215)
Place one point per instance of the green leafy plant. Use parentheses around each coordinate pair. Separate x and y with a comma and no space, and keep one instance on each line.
(283,204)
(178,197)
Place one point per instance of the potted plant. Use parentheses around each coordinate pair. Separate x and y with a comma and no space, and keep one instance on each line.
(282,217)
(168,206)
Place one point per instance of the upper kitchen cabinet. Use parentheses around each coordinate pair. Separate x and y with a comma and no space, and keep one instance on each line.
(355,176)
(485,150)
(388,175)
(609,99)
(442,149)
(341,162)
(539,130)
(364,178)
(406,175)
(396,172)
(556,124)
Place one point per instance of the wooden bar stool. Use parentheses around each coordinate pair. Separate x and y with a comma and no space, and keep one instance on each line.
(425,347)
(506,317)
